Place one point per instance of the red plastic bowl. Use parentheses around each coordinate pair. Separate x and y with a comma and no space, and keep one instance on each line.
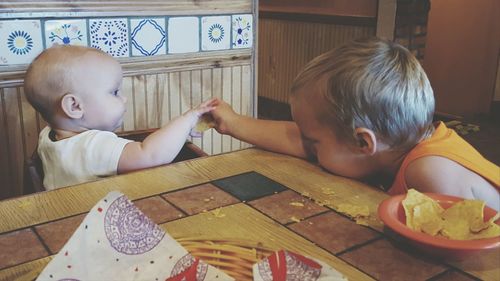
(391,212)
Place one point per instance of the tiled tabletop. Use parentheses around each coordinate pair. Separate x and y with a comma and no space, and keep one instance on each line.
(254,207)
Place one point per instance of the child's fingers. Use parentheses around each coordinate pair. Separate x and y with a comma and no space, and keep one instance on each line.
(210,102)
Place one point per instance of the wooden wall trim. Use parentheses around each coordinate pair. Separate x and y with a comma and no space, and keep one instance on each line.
(63,8)
(10,77)
(312,18)
(347,8)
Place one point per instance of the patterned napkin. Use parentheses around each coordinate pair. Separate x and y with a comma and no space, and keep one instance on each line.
(287,266)
(116,241)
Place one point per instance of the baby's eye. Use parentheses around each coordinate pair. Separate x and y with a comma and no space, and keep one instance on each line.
(116,92)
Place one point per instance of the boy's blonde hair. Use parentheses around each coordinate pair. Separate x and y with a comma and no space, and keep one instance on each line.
(49,76)
(375,84)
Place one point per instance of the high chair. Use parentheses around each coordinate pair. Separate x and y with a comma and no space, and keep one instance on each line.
(33,169)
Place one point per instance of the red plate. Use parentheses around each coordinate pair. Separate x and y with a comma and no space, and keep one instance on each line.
(391,212)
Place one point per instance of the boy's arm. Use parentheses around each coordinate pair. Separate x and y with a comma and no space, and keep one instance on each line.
(278,136)
(441,175)
(162,146)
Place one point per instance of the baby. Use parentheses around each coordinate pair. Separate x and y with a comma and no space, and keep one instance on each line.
(77,90)
(364,110)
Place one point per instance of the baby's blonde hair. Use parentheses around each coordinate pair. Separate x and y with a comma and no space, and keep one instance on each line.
(375,84)
(49,78)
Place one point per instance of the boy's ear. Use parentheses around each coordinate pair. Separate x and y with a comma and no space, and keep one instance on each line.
(72,106)
(367,141)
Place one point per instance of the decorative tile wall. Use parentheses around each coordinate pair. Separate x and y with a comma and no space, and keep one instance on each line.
(148,36)
(65,32)
(184,35)
(215,33)
(110,36)
(242,31)
(22,40)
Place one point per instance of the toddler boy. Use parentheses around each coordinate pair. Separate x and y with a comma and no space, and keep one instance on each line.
(365,110)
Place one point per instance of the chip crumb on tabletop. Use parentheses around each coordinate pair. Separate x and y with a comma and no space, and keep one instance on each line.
(361,214)
(24,204)
(206,200)
(294,219)
(327,191)
(297,204)
(217,213)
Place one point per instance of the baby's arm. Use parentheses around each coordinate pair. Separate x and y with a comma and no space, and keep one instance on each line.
(441,175)
(278,136)
(162,146)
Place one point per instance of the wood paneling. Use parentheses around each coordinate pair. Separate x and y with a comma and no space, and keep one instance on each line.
(286,46)
(157,88)
(463,43)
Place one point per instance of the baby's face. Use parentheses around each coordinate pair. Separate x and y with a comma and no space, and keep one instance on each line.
(332,154)
(99,81)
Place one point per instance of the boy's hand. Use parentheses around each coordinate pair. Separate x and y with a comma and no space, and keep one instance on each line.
(224,117)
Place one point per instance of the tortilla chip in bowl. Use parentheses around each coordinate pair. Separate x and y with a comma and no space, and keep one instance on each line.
(442,226)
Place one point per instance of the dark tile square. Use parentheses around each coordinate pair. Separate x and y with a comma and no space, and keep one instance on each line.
(19,247)
(55,234)
(287,206)
(158,210)
(452,275)
(333,232)
(383,261)
(200,198)
(249,186)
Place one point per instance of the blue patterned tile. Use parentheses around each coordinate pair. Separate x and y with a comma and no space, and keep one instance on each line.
(110,35)
(148,36)
(215,33)
(20,41)
(242,31)
(183,35)
(66,32)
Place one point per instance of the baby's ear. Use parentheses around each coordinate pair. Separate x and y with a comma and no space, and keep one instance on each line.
(367,141)
(72,106)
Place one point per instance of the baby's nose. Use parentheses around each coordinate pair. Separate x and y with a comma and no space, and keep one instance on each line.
(124,99)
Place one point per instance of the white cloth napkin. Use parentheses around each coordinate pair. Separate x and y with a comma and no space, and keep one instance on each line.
(116,241)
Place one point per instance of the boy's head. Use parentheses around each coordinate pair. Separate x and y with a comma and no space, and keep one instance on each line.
(364,97)
(76,88)
(370,83)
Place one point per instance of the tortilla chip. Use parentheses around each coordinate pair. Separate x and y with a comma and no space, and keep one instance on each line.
(464,220)
(427,218)
(204,123)
(414,198)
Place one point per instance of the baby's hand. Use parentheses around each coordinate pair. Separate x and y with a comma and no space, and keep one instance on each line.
(200,120)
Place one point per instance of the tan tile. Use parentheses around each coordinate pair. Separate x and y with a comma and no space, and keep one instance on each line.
(281,206)
(383,261)
(333,232)
(19,247)
(158,210)
(199,198)
(55,234)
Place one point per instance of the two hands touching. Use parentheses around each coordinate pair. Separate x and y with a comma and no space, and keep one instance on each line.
(162,146)
(213,113)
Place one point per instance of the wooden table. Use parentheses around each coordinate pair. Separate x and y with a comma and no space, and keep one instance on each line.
(180,197)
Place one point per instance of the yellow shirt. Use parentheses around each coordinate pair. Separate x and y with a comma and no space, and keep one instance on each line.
(447,143)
